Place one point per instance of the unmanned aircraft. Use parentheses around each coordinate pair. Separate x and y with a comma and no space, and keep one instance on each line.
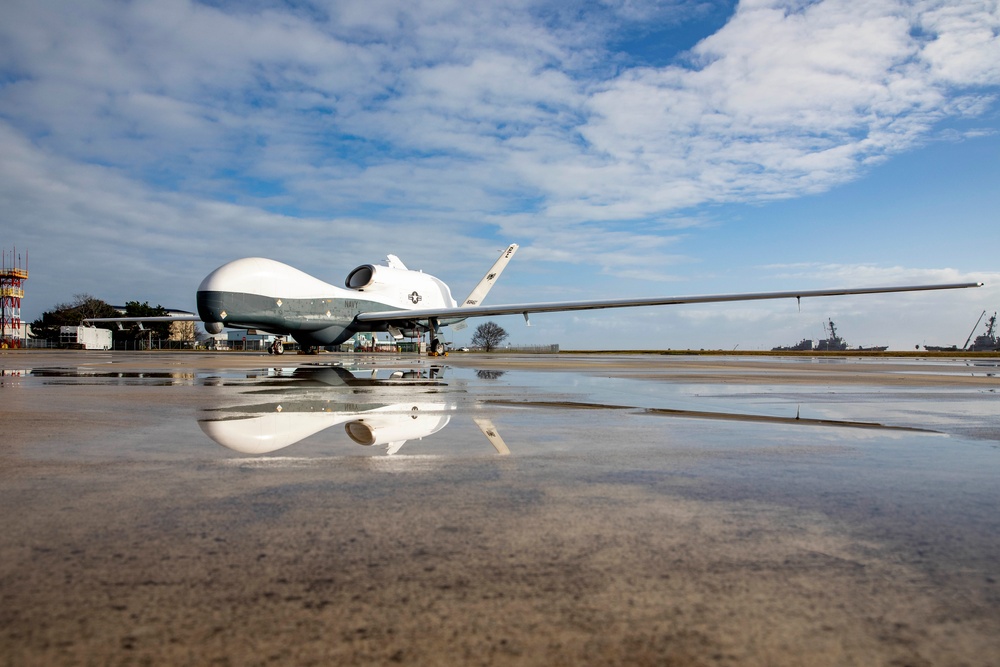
(272,297)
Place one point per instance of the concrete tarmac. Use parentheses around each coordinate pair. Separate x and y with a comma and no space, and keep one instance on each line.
(240,509)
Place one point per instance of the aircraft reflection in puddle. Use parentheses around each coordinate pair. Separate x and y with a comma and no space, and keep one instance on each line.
(796,421)
(331,375)
(268,427)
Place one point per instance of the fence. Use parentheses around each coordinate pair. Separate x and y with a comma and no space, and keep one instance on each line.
(144,344)
(528,349)
(256,346)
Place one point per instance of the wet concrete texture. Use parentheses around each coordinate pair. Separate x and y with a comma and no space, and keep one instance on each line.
(649,511)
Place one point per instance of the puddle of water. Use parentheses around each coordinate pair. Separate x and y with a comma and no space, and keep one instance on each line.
(267,410)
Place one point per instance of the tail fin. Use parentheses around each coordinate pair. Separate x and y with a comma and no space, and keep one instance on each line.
(486,284)
(479,293)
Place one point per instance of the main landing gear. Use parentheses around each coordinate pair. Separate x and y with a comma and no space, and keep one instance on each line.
(438,348)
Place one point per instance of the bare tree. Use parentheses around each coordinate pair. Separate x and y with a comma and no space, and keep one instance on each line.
(183,331)
(86,305)
(488,336)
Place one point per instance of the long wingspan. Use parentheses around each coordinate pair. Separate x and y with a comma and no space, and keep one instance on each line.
(153,318)
(563,306)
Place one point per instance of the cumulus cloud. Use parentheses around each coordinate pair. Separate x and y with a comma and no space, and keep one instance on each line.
(786,98)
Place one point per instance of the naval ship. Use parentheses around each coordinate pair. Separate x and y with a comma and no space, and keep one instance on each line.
(832,342)
(987,342)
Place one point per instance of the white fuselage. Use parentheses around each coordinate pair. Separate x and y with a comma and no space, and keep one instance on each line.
(265,294)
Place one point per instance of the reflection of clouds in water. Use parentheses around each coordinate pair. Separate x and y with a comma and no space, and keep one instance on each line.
(846,435)
(388,418)
(272,462)
(945,412)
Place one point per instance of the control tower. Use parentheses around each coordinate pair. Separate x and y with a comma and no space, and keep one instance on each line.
(13,273)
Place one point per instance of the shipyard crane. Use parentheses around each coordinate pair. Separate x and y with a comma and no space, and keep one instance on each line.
(973,332)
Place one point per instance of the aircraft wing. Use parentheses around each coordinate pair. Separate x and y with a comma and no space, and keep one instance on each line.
(564,306)
(154,318)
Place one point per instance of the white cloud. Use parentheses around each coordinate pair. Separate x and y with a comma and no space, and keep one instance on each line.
(785,99)
(783,102)
(965,51)
(150,124)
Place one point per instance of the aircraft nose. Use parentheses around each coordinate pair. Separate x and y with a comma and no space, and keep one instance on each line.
(211,307)
(220,291)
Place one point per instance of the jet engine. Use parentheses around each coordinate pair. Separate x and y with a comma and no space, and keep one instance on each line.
(400,287)
(362,277)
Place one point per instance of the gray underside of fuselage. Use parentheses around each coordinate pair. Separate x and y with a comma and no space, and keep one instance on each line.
(308,321)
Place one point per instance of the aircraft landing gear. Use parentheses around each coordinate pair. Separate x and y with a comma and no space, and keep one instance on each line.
(438,346)
(277,347)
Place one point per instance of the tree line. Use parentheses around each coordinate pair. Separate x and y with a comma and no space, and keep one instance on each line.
(85,306)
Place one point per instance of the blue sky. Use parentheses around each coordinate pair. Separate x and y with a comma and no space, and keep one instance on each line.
(632,149)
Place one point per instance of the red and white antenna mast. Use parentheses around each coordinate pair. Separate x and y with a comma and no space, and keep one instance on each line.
(13,273)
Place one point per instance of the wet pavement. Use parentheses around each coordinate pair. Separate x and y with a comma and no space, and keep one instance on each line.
(182,508)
